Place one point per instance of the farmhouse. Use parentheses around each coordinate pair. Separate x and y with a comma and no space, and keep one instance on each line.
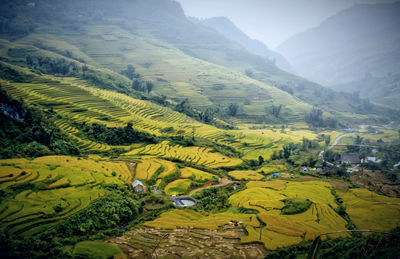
(138,186)
(349,159)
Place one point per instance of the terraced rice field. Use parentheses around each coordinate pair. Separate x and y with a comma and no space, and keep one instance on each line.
(177,187)
(197,155)
(275,184)
(189,218)
(77,102)
(280,230)
(246,175)
(269,169)
(197,174)
(369,210)
(71,99)
(62,182)
(146,168)
(260,199)
(145,242)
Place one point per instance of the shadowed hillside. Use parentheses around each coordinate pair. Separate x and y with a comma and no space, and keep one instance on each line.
(356,50)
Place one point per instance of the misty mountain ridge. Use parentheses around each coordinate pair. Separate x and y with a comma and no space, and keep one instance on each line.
(186,61)
(227,28)
(348,48)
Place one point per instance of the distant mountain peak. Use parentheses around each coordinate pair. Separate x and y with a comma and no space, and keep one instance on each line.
(224,26)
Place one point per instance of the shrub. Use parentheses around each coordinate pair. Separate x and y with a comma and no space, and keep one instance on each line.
(295,206)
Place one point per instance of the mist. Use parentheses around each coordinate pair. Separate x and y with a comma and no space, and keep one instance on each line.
(271,21)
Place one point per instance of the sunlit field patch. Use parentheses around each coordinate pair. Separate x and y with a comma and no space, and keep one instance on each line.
(246,175)
(196,174)
(59,186)
(176,187)
(369,210)
(198,155)
(274,184)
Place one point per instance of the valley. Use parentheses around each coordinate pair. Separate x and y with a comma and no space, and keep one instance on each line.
(111,112)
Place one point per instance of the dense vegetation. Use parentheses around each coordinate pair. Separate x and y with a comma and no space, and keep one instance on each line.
(378,245)
(215,199)
(295,206)
(105,217)
(29,132)
(114,136)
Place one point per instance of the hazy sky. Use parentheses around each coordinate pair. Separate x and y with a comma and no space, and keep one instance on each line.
(271,21)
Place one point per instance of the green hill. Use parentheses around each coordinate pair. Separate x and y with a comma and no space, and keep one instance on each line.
(182,59)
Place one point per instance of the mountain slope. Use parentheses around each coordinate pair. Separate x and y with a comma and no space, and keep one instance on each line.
(355,44)
(384,90)
(182,59)
(226,28)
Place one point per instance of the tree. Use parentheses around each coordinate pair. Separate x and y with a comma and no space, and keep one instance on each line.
(233,109)
(84,69)
(260,160)
(315,117)
(129,72)
(342,170)
(286,151)
(137,85)
(276,110)
(29,61)
(149,86)
(207,116)
(358,140)
(327,140)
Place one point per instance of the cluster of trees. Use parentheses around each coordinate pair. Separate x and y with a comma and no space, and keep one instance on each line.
(9,73)
(303,153)
(101,79)
(316,119)
(362,105)
(103,217)
(377,245)
(233,109)
(29,132)
(58,66)
(137,83)
(130,72)
(276,110)
(215,199)
(114,136)
(142,86)
(295,206)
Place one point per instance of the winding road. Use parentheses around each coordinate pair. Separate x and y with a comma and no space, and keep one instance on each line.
(321,154)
